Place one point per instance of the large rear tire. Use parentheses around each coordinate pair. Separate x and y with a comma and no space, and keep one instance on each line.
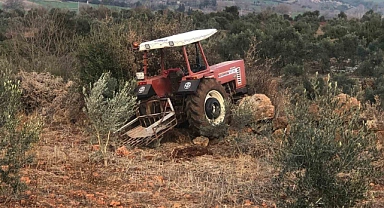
(207,107)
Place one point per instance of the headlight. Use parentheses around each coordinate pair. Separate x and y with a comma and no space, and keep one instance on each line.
(140,75)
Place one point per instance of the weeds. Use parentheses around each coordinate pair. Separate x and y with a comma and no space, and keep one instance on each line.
(241,115)
(215,131)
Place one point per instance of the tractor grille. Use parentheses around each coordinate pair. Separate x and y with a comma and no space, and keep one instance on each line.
(238,75)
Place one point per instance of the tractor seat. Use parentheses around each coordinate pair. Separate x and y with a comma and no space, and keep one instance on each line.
(175,78)
(197,67)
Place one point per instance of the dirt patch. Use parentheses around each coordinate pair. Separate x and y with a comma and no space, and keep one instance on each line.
(190,152)
(178,135)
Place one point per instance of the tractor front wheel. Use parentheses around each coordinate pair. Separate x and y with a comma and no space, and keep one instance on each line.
(207,107)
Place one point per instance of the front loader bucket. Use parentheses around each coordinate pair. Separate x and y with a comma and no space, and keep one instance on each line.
(145,129)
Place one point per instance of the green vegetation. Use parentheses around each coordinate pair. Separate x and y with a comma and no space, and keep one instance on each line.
(107,49)
(326,158)
(16,137)
(108,110)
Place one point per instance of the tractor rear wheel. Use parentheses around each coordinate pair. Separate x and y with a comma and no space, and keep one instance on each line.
(207,107)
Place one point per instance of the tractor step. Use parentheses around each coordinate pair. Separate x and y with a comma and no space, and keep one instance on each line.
(145,129)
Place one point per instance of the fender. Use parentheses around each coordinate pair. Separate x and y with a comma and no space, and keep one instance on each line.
(188,86)
(144,91)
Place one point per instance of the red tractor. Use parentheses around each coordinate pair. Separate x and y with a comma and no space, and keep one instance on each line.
(185,88)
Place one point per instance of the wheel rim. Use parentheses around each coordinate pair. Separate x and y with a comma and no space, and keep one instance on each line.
(214,107)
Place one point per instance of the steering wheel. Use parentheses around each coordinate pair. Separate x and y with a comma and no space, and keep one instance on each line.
(196,67)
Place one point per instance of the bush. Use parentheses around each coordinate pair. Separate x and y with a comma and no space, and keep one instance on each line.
(44,41)
(260,73)
(55,100)
(241,115)
(372,66)
(294,70)
(345,83)
(313,90)
(257,146)
(326,157)
(215,131)
(107,49)
(16,137)
(376,90)
(108,110)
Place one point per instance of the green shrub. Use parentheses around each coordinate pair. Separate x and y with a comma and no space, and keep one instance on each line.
(377,90)
(16,137)
(214,131)
(257,146)
(326,157)
(259,71)
(241,115)
(294,70)
(345,83)
(369,95)
(44,41)
(372,66)
(313,88)
(107,49)
(108,110)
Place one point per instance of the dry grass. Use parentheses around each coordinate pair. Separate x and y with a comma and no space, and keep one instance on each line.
(56,100)
(63,175)
(238,172)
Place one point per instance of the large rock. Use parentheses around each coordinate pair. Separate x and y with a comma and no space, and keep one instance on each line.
(201,140)
(260,105)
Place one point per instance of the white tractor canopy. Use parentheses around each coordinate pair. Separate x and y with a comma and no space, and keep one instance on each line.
(177,40)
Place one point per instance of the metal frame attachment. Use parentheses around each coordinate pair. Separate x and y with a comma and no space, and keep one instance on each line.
(145,129)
